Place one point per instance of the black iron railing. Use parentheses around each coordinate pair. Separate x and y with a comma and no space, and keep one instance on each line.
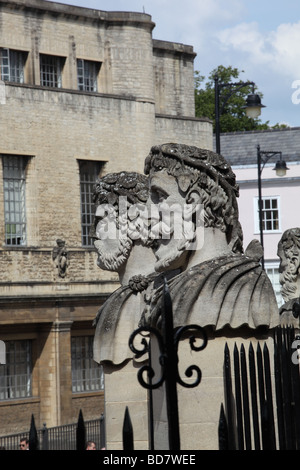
(262,397)
(66,437)
(168,339)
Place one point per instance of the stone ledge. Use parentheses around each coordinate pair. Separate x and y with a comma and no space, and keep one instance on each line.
(19,401)
(183,118)
(174,47)
(61,9)
(71,91)
(87,394)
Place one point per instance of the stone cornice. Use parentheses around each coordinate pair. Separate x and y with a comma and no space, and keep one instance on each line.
(174,48)
(60,9)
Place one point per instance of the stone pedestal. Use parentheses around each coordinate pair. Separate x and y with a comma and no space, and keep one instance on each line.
(199,407)
(122,390)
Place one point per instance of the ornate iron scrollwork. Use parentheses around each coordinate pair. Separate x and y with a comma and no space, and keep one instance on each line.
(168,352)
(167,341)
(146,349)
(192,340)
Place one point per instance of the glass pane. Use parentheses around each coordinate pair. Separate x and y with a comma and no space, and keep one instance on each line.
(274,203)
(12,65)
(14,199)
(89,172)
(86,373)
(87,72)
(270,214)
(51,70)
(16,374)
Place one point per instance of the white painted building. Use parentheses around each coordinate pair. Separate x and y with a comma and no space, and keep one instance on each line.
(281,195)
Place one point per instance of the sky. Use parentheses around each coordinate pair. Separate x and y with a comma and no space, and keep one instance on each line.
(259,37)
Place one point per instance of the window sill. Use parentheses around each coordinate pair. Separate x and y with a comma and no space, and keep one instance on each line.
(87,394)
(269,232)
(19,401)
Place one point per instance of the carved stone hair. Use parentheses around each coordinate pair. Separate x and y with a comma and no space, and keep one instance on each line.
(130,185)
(134,186)
(211,175)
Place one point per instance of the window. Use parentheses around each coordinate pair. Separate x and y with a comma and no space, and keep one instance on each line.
(51,71)
(16,374)
(87,73)
(14,199)
(272,271)
(89,172)
(12,65)
(87,375)
(270,214)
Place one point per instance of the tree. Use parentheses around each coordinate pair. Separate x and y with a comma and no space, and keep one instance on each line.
(233,117)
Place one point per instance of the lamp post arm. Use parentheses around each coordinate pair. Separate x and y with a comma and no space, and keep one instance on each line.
(238,86)
(267,156)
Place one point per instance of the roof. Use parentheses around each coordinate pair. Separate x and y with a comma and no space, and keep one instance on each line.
(240,148)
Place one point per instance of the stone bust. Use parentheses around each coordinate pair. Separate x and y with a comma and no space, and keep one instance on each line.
(120,233)
(220,285)
(289,269)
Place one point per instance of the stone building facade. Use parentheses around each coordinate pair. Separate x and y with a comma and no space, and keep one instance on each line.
(82,93)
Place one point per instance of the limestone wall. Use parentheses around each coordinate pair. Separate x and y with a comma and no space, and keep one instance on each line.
(145,96)
(174,78)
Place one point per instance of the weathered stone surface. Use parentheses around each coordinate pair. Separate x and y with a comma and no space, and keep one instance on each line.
(212,282)
(122,248)
(289,254)
(219,285)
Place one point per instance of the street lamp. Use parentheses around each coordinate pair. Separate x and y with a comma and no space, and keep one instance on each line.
(253,103)
(262,158)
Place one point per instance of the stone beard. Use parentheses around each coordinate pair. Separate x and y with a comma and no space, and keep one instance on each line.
(169,254)
(111,256)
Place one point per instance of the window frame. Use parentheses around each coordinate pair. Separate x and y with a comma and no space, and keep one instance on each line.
(90,72)
(87,375)
(14,199)
(256,215)
(54,73)
(15,65)
(11,386)
(87,206)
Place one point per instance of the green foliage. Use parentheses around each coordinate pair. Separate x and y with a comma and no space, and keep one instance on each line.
(232,116)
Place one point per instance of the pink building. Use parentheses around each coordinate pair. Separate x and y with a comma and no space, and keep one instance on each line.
(280,195)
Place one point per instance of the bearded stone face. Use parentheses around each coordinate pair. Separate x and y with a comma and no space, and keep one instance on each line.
(173,240)
(113,244)
(118,223)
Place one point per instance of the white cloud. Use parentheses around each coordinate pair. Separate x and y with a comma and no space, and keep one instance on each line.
(278,50)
